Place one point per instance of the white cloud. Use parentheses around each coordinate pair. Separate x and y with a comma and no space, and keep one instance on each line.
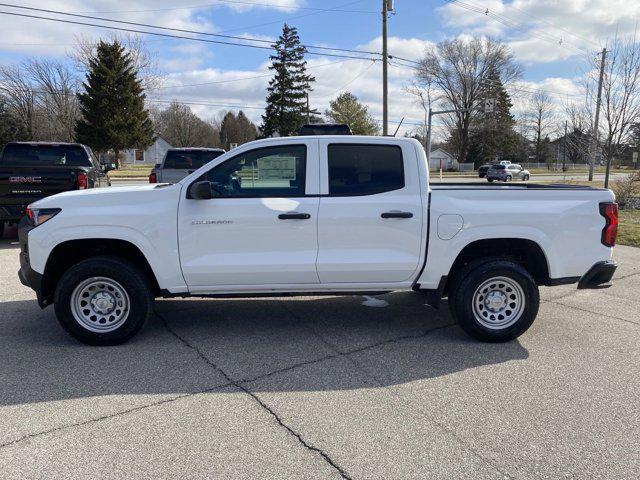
(545,30)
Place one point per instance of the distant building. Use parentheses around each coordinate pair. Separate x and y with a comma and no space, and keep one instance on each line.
(152,155)
(449,162)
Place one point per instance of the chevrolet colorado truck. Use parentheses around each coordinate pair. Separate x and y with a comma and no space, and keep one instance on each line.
(32,170)
(309,216)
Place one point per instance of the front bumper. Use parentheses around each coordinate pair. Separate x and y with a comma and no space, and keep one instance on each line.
(27,275)
(599,275)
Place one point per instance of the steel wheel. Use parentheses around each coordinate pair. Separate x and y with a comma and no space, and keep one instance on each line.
(100,304)
(498,303)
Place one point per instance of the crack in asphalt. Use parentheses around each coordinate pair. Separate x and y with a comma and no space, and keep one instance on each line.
(263,405)
(347,356)
(109,416)
(613,317)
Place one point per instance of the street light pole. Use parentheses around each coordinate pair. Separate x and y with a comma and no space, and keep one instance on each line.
(385,113)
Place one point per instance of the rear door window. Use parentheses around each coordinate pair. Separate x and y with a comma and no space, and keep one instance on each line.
(189,159)
(45,155)
(356,169)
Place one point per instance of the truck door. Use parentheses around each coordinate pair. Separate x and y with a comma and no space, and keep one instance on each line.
(260,227)
(370,223)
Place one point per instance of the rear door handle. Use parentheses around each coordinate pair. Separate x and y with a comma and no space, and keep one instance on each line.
(294,216)
(397,215)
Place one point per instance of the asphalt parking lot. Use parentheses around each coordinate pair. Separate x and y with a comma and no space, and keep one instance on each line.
(324,387)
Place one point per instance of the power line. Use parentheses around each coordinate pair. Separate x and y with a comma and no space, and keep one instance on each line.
(166,35)
(180,30)
(235,2)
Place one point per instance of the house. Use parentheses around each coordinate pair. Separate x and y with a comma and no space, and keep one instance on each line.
(448,161)
(152,155)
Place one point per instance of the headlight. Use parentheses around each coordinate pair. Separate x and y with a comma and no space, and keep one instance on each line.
(40,215)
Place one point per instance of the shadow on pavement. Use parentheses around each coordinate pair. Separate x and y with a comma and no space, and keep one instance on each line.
(248,339)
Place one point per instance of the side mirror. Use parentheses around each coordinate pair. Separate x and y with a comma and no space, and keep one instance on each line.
(200,191)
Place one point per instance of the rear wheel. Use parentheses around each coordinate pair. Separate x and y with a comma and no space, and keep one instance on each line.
(508,179)
(103,301)
(490,180)
(495,301)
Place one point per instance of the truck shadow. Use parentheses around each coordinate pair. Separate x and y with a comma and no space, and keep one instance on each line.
(311,344)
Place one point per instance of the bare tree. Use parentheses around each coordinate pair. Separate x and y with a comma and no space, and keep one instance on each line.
(179,126)
(424,96)
(620,93)
(19,97)
(541,120)
(144,60)
(458,68)
(55,87)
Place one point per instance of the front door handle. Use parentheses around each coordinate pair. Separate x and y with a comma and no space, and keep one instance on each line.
(294,216)
(397,215)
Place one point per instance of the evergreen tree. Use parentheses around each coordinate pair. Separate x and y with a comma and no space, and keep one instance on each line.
(492,134)
(112,106)
(347,109)
(236,129)
(288,89)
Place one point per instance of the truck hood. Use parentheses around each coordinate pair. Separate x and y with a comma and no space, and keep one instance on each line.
(103,196)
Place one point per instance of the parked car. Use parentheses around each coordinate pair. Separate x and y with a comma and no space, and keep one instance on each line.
(325,129)
(482,170)
(506,173)
(30,171)
(180,162)
(315,215)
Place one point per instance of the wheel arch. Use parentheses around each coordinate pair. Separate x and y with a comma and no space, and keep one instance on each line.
(70,252)
(525,252)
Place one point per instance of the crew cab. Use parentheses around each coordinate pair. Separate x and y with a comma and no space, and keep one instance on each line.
(33,170)
(315,215)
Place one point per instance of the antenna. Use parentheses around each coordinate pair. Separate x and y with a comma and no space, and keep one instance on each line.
(394,133)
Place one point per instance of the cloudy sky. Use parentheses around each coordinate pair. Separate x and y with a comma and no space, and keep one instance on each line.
(551,39)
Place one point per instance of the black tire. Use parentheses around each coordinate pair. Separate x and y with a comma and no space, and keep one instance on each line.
(508,179)
(1,229)
(462,298)
(128,276)
(490,180)
(526,178)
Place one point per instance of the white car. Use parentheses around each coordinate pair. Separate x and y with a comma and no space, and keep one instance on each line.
(506,173)
(308,216)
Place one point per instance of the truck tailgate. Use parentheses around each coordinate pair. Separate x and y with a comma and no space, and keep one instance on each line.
(23,185)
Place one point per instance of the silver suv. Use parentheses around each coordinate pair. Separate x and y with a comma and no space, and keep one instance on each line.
(506,173)
(180,162)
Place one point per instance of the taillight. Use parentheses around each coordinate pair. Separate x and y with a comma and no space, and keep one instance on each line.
(153,178)
(83,181)
(610,231)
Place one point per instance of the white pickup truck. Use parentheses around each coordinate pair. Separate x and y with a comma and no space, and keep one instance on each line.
(311,216)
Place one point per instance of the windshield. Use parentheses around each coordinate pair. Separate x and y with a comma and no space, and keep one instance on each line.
(189,159)
(45,155)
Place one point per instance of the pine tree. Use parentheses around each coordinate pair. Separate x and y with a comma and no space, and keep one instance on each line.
(112,106)
(492,135)
(288,89)
(236,129)
(347,109)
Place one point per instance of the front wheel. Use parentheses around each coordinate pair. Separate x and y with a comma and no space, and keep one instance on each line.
(103,301)
(508,179)
(490,180)
(525,178)
(495,301)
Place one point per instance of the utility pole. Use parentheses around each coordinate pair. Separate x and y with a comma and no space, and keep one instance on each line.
(385,58)
(594,140)
(564,148)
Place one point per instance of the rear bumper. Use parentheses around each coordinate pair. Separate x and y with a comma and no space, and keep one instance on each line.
(599,275)
(27,275)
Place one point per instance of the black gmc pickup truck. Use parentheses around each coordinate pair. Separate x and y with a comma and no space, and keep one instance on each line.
(30,171)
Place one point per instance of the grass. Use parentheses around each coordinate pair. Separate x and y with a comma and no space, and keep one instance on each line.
(629,229)
(131,171)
